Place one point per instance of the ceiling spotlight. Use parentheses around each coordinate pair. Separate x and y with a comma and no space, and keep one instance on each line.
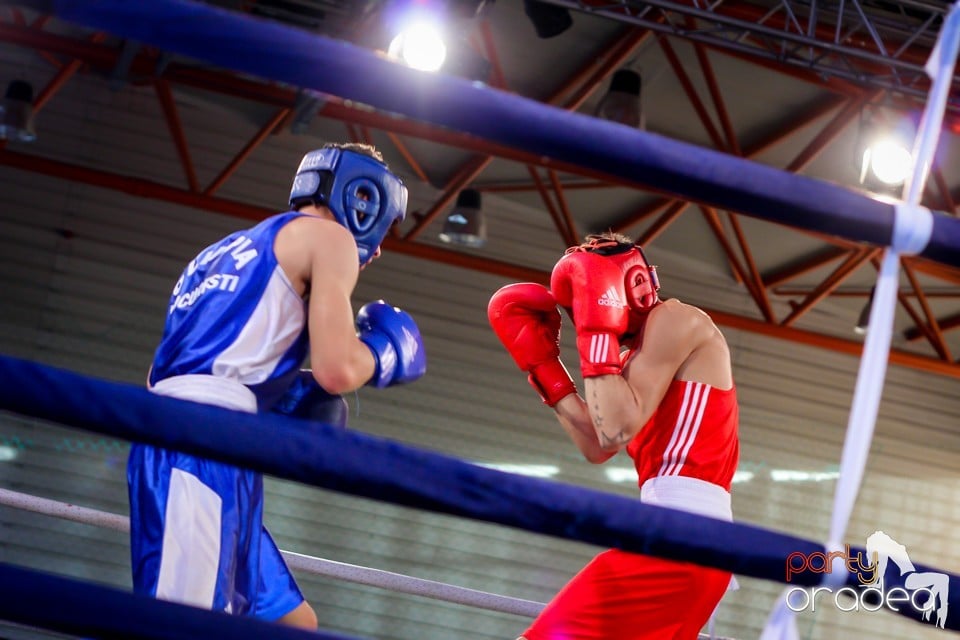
(16,113)
(420,45)
(888,160)
(885,157)
(548,20)
(431,35)
(466,224)
(622,101)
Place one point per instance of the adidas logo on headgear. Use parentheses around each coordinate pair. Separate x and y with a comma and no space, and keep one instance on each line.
(611,299)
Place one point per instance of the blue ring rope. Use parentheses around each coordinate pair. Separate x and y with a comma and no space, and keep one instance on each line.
(278,52)
(362,465)
(80,608)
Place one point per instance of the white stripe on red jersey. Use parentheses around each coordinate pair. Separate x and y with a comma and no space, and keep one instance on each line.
(693,433)
(686,428)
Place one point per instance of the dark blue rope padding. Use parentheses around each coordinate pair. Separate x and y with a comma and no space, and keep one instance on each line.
(355,463)
(278,52)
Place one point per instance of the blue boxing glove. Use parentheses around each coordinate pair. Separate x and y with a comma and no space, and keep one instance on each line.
(394,339)
(307,400)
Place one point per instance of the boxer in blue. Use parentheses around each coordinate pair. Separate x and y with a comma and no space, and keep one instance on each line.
(242,318)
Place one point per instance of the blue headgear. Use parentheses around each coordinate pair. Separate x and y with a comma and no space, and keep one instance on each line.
(360,191)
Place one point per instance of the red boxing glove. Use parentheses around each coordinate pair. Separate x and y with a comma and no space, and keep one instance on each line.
(591,286)
(526,319)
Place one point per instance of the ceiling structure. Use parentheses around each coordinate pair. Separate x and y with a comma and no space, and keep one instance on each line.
(784,83)
(870,43)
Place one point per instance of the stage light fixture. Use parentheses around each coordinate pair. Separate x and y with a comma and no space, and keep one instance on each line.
(466,224)
(885,152)
(622,100)
(16,113)
(863,322)
(548,20)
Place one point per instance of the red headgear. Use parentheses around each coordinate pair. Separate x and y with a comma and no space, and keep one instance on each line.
(640,280)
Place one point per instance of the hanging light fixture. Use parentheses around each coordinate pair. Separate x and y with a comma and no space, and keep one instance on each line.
(466,225)
(622,101)
(548,20)
(420,45)
(885,156)
(16,113)
(430,35)
(863,322)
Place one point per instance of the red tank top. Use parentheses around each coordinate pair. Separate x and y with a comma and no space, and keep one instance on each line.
(692,433)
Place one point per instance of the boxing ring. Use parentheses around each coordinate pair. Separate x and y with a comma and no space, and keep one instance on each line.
(384,470)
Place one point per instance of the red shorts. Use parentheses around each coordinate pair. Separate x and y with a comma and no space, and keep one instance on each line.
(626,596)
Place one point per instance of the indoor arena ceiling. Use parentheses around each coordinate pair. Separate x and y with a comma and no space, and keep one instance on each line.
(791,84)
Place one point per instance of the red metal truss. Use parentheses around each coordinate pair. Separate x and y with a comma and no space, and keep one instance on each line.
(271,125)
(578,88)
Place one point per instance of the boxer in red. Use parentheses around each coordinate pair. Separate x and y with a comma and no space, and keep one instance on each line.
(657,382)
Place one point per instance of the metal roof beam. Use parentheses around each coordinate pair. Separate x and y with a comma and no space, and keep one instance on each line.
(147,189)
(889,57)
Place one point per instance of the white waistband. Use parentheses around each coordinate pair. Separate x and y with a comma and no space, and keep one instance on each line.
(691,495)
(221,392)
(688,494)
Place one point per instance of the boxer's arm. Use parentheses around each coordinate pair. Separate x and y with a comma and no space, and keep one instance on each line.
(620,405)
(575,419)
(322,255)
(307,400)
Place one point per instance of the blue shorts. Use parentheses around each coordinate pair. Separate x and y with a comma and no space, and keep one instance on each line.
(197,536)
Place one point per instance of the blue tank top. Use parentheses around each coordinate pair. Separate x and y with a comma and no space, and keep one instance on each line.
(234,314)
